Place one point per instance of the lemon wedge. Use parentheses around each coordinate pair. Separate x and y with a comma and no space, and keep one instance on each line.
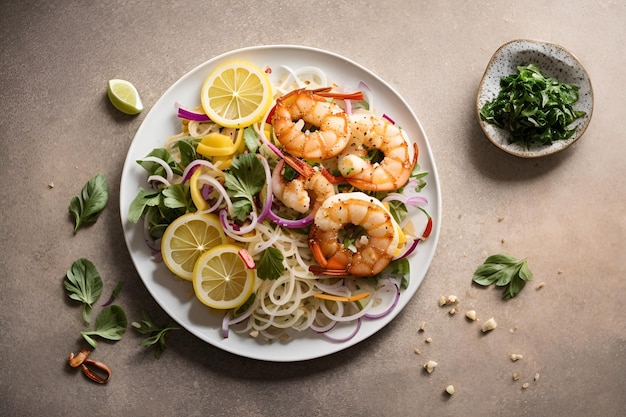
(124,96)
(188,237)
(221,279)
(236,94)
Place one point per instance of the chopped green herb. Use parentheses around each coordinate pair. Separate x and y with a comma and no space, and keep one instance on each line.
(83,283)
(110,324)
(504,271)
(93,198)
(537,110)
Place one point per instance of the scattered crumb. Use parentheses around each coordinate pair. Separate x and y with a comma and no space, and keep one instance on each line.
(451,299)
(525,385)
(450,389)
(51,185)
(430,366)
(465,254)
(417,351)
(489,325)
(429,340)
(471,315)
(559,271)
(513,330)
(254,333)
(453,311)
(536,376)
(502,241)
(516,376)
(540,285)
(516,356)
(423,326)
(500,219)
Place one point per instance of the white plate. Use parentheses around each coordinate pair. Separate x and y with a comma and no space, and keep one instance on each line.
(554,61)
(172,294)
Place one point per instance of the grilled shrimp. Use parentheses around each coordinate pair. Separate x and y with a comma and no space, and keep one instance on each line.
(310,127)
(372,133)
(304,193)
(373,249)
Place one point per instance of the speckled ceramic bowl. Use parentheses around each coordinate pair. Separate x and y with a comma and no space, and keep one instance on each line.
(554,61)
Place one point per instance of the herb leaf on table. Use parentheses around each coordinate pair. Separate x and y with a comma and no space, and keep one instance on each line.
(87,206)
(110,324)
(504,271)
(83,283)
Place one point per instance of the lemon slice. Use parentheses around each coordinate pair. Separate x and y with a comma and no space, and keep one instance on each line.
(188,237)
(124,96)
(236,94)
(221,279)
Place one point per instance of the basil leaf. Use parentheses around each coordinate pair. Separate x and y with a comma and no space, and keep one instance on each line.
(83,283)
(505,271)
(86,207)
(110,324)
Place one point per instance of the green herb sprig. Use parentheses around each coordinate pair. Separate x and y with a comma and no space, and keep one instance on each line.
(504,271)
(86,207)
(534,108)
(155,333)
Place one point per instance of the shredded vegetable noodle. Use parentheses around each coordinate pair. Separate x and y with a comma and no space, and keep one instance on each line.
(322,193)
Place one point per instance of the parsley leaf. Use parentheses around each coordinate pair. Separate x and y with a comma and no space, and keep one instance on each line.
(93,198)
(83,283)
(270,266)
(156,334)
(504,271)
(244,179)
(110,324)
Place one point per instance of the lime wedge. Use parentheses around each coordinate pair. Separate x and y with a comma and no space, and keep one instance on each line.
(124,96)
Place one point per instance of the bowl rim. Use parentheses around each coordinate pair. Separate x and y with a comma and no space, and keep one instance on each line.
(546,149)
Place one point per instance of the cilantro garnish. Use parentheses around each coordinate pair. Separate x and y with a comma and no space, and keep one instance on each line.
(244,179)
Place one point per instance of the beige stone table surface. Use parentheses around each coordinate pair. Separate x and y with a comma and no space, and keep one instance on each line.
(564,213)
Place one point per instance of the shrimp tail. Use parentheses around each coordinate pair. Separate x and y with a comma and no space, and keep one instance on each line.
(299,166)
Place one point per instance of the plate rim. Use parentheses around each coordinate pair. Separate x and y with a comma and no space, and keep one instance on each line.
(433,185)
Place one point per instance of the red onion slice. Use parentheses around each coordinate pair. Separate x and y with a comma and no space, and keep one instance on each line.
(388,303)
